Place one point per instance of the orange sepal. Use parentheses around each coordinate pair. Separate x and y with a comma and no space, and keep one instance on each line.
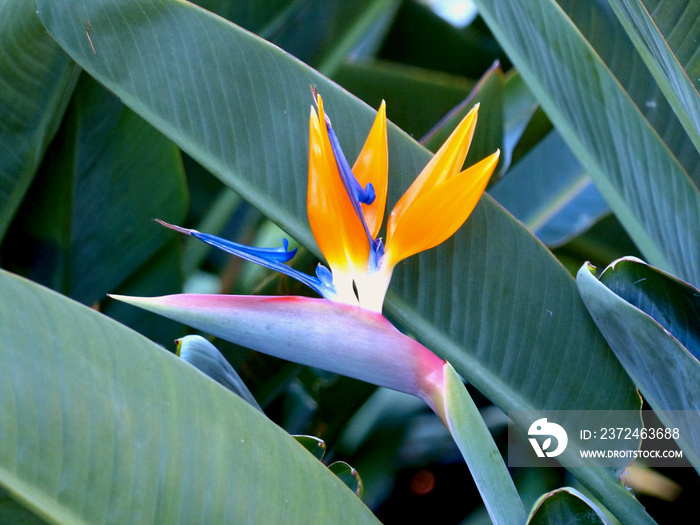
(334,223)
(439,212)
(372,166)
(446,163)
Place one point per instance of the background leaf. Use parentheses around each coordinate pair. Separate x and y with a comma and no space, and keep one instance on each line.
(13,513)
(102,425)
(549,192)
(403,88)
(565,505)
(667,374)
(602,125)
(36,80)
(488,92)
(659,56)
(81,229)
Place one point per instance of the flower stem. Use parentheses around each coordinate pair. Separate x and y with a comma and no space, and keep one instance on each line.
(485,463)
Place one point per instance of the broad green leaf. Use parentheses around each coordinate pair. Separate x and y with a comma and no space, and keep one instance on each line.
(597,22)
(549,192)
(36,80)
(565,505)
(363,31)
(604,128)
(403,88)
(676,22)
(519,106)
(339,28)
(640,310)
(101,425)
(88,217)
(243,114)
(673,304)
(536,129)
(667,68)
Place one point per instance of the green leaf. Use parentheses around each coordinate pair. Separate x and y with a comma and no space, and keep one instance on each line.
(673,304)
(661,59)
(565,505)
(597,22)
(100,424)
(368,19)
(206,358)
(12,513)
(647,316)
(561,201)
(161,274)
(489,93)
(347,475)
(340,29)
(403,88)
(602,125)
(254,16)
(605,242)
(507,354)
(465,52)
(36,80)
(88,217)
(316,446)
(519,106)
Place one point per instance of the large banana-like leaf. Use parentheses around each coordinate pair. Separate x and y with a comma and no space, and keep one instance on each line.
(597,22)
(403,88)
(492,300)
(99,425)
(561,201)
(97,188)
(666,66)
(650,320)
(36,80)
(645,185)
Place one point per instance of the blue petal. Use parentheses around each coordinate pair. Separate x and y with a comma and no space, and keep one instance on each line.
(353,188)
(272,258)
(375,254)
(273,255)
(324,275)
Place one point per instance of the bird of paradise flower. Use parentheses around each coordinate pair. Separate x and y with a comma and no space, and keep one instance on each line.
(345,331)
